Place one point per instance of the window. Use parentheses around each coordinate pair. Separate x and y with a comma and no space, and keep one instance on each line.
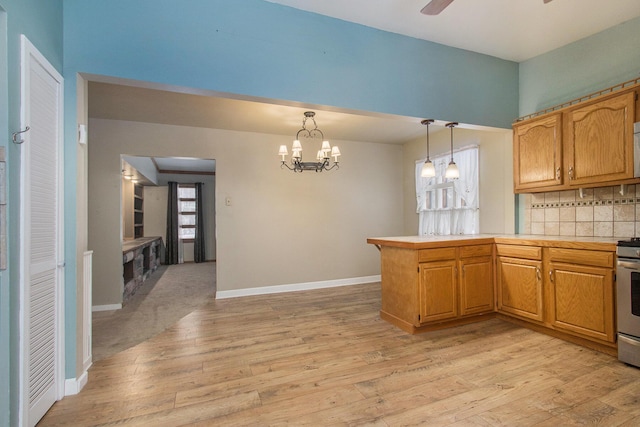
(448,206)
(186,212)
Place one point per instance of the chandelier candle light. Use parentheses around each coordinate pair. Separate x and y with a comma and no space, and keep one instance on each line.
(324,154)
(428,170)
(452,171)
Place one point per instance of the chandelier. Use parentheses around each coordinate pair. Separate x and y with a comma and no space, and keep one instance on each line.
(323,157)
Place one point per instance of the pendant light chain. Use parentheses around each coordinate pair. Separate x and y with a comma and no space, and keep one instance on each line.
(452,171)
(428,169)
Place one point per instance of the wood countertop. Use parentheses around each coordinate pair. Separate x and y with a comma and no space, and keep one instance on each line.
(430,242)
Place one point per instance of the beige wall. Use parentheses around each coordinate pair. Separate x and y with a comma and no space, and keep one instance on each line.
(83,322)
(281,227)
(497,214)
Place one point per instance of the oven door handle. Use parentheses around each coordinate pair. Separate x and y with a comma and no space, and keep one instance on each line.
(630,265)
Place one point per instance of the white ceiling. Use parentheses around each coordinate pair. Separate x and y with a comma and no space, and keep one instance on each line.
(184,164)
(516,30)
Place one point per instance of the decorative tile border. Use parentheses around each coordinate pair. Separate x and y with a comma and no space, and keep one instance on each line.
(629,201)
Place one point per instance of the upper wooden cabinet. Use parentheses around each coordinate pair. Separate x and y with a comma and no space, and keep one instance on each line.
(537,151)
(588,144)
(599,141)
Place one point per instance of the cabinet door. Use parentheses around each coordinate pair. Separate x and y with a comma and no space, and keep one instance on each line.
(438,291)
(520,287)
(476,285)
(599,142)
(537,151)
(582,300)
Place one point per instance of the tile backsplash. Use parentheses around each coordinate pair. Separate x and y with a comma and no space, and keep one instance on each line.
(598,212)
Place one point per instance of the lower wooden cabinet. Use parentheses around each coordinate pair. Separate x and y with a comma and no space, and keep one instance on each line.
(520,287)
(476,285)
(582,300)
(457,282)
(564,291)
(438,291)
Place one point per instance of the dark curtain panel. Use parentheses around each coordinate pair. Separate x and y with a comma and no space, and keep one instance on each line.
(198,246)
(172,224)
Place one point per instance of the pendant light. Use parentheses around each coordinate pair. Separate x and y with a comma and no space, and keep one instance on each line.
(452,171)
(428,170)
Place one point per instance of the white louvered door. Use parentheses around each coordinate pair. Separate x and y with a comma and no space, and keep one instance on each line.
(41,276)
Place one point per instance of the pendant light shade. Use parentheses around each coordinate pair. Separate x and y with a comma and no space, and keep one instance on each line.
(452,171)
(428,170)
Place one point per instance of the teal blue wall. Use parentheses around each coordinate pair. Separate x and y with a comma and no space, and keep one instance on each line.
(41,22)
(588,65)
(5,336)
(257,48)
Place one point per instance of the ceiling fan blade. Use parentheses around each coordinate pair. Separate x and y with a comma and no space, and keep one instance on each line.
(434,7)
(546,1)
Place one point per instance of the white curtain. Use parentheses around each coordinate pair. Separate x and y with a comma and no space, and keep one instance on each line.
(449,206)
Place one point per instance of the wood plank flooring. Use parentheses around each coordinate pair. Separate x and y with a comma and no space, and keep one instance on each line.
(324,357)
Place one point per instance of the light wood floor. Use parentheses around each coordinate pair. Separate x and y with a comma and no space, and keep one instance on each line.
(325,358)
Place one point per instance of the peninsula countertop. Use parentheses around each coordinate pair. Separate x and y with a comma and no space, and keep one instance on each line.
(429,242)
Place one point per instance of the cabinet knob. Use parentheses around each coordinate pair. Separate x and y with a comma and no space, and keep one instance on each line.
(558,173)
(551,276)
(538,275)
(570,172)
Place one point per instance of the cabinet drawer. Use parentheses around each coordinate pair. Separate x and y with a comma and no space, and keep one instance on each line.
(475,250)
(582,257)
(426,255)
(517,251)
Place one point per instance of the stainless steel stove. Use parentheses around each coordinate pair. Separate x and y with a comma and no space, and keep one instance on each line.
(628,301)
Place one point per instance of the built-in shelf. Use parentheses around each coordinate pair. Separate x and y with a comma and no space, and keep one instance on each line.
(138,211)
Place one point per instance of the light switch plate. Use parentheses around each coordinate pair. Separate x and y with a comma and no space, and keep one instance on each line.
(82,134)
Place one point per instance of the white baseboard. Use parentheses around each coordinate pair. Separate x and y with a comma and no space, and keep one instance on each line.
(74,385)
(296,287)
(107,307)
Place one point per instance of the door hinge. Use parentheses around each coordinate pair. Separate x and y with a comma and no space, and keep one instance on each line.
(418,269)
(418,317)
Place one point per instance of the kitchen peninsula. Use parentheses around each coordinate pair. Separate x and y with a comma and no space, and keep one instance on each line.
(562,286)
